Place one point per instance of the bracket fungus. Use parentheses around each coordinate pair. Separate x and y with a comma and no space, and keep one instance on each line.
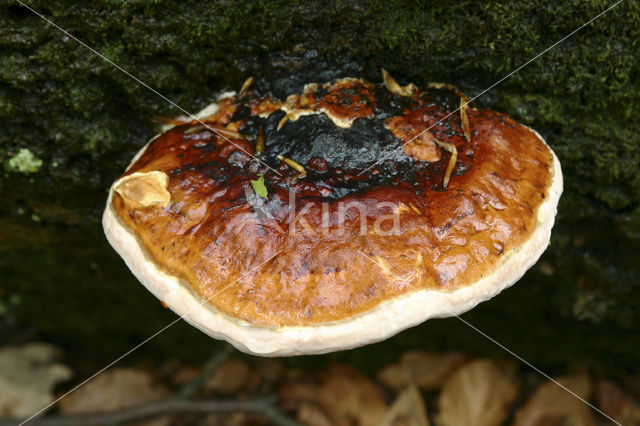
(333,216)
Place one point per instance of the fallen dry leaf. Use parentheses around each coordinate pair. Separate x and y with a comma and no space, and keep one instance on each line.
(617,404)
(343,394)
(184,375)
(232,376)
(270,370)
(632,384)
(424,369)
(479,393)
(553,405)
(28,374)
(311,414)
(464,106)
(407,410)
(113,390)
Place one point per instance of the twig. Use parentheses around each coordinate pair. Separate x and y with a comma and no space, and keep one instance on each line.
(210,366)
(264,406)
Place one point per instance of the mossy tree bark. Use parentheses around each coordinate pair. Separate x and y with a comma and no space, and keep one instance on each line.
(70,122)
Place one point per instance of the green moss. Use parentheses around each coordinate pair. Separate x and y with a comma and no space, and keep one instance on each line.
(23,162)
(85,119)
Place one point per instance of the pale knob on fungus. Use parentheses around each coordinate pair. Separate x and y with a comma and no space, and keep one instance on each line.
(144,189)
(393,86)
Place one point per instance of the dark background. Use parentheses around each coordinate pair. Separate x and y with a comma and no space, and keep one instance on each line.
(70,122)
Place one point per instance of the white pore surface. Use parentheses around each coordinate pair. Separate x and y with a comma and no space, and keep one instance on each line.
(382,322)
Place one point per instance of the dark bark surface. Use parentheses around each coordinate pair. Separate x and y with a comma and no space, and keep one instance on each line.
(70,122)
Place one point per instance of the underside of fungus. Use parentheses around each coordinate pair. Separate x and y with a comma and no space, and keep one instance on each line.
(334,216)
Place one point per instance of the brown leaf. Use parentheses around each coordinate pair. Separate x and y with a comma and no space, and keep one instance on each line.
(232,376)
(407,410)
(184,375)
(632,384)
(617,404)
(270,370)
(553,405)
(426,370)
(479,393)
(113,390)
(344,395)
(28,374)
(312,415)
